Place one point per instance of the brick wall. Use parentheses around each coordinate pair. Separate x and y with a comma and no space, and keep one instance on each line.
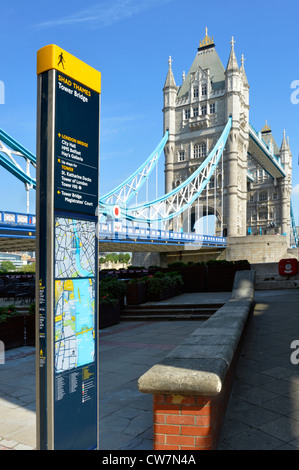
(193,422)
(189,422)
(191,386)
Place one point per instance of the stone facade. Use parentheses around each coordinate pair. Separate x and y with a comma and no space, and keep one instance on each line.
(243,197)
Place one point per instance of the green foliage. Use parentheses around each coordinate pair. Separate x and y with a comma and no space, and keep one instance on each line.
(108,300)
(28,268)
(7,266)
(160,282)
(32,309)
(177,265)
(139,280)
(124,258)
(242,262)
(111,288)
(7,312)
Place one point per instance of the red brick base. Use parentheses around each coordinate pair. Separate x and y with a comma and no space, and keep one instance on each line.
(192,422)
(186,423)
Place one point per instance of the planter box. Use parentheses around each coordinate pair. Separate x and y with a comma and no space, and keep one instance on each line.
(109,314)
(194,278)
(30,330)
(136,294)
(12,332)
(220,277)
(165,294)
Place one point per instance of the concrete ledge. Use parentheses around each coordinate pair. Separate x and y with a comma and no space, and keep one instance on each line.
(198,366)
(192,384)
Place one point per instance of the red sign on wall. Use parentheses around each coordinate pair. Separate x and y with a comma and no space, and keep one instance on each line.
(288,267)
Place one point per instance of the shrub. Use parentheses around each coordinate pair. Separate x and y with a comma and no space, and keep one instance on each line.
(160,282)
(112,287)
(7,312)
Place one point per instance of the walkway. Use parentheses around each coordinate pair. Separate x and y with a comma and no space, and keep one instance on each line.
(264,407)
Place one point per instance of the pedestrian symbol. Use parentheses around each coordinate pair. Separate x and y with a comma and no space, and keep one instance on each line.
(61,60)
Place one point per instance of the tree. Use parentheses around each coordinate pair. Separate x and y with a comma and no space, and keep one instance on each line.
(124,258)
(28,268)
(7,266)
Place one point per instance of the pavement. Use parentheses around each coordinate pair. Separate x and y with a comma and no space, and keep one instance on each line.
(263,412)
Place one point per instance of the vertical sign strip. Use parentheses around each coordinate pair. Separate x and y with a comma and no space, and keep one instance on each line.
(67,246)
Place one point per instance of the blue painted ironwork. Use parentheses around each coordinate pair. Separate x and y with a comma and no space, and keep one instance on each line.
(273,159)
(8,147)
(124,192)
(293,227)
(182,197)
(17,225)
(116,232)
(188,191)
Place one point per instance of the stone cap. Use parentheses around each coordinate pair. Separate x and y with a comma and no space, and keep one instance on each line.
(198,366)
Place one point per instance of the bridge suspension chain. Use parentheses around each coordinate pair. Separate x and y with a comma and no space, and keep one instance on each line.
(123,193)
(8,148)
(181,198)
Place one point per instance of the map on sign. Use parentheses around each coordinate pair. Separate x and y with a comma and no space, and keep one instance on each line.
(74,323)
(74,248)
(74,293)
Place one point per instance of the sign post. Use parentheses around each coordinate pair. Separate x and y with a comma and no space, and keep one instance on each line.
(68,121)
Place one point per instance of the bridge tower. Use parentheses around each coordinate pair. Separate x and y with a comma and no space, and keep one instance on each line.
(250,199)
(235,158)
(195,114)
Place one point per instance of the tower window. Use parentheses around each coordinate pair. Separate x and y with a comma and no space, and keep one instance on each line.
(195,112)
(181,156)
(263,196)
(187,113)
(204,109)
(204,90)
(263,215)
(200,150)
(195,92)
(212,108)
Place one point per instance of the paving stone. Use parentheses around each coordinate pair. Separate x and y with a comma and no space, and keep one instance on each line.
(284,428)
(253,440)
(264,406)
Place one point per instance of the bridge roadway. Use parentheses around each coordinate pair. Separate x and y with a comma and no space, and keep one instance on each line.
(17,233)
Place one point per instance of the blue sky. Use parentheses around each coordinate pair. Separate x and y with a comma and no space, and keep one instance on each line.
(129,42)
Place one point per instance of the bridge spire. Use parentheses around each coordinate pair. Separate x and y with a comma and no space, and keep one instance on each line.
(243,73)
(232,64)
(170,81)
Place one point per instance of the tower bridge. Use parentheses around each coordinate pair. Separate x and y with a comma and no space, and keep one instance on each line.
(215,163)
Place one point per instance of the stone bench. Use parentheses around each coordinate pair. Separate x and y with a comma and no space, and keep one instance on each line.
(192,384)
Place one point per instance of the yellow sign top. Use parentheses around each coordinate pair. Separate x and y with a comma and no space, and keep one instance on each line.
(53,57)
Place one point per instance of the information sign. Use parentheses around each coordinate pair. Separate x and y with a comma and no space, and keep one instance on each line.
(67,251)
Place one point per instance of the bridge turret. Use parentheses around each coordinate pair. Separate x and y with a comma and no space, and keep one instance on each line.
(286,185)
(285,154)
(170,94)
(235,160)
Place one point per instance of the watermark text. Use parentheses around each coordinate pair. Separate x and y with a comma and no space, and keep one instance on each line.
(295,354)
(295,93)
(2,353)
